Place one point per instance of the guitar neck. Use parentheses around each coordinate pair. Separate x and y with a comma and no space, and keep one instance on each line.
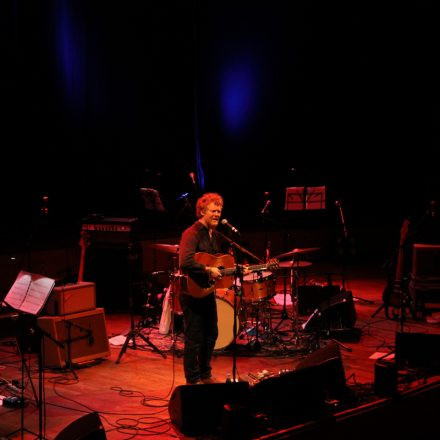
(81,266)
(232,270)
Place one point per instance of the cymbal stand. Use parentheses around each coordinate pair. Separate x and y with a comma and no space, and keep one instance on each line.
(294,296)
(284,314)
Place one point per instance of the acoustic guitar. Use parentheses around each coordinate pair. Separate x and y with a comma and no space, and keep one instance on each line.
(392,295)
(225,263)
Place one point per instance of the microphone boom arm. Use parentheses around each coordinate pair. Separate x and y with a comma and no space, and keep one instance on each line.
(241,248)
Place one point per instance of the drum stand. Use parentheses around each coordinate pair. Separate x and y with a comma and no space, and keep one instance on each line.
(294,296)
(254,344)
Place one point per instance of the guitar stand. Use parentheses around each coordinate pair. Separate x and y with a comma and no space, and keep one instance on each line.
(382,306)
(355,298)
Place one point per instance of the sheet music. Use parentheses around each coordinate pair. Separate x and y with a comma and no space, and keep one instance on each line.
(17,293)
(29,292)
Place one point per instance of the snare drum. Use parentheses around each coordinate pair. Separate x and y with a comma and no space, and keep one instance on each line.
(258,286)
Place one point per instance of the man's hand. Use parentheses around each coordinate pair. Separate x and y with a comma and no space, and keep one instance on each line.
(214,272)
(246,270)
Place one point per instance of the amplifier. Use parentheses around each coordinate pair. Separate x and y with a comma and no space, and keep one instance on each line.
(82,335)
(71,298)
(111,230)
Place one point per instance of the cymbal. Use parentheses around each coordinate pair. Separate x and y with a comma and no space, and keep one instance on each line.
(288,264)
(296,252)
(171,248)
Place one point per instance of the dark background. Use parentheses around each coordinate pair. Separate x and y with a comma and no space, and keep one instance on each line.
(99,98)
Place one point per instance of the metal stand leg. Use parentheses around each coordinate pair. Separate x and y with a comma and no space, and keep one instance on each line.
(134,330)
(172,298)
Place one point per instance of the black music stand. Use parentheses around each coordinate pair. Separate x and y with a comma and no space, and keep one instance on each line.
(134,329)
(30,340)
(27,296)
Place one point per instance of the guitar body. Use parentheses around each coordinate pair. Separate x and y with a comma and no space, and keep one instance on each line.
(393,294)
(222,262)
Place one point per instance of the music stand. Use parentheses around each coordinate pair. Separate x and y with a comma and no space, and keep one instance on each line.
(28,295)
(300,198)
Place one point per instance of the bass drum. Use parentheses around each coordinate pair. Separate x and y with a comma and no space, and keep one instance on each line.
(224,299)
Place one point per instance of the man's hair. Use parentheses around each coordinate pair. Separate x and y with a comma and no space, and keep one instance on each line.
(205,200)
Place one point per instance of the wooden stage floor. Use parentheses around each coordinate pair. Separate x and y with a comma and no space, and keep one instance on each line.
(132,397)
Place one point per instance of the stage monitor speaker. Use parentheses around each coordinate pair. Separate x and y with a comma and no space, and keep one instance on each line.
(336,313)
(87,427)
(331,376)
(300,395)
(82,334)
(417,350)
(198,409)
(290,397)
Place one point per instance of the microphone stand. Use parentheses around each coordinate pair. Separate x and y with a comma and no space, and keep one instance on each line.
(240,248)
(346,239)
(237,275)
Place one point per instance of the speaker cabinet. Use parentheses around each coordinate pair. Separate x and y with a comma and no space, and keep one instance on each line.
(113,269)
(385,378)
(87,427)
(198,409)
(424,285)
(83,335)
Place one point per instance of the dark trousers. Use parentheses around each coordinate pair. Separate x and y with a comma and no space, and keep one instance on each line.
(200,328)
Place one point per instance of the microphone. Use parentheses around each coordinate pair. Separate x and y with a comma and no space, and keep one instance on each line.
(226,223)
(266,206)
(192,177)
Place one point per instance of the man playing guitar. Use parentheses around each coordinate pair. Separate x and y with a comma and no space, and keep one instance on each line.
(200,313)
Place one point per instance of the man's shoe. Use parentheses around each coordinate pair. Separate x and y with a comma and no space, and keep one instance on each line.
(209,380)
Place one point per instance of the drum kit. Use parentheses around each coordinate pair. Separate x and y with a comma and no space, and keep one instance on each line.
(257,291)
